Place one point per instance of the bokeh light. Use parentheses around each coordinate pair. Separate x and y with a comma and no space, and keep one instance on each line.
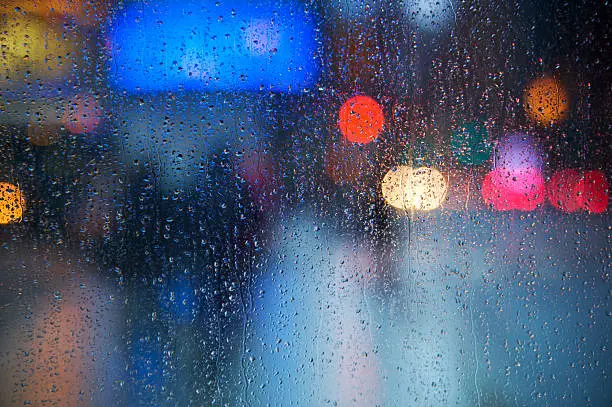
(573,190)
(428,188)
(82,114)
(517,151)
(262,36)
(31,46)
(261,47)
(514,189)
(471,144)
(213,168)
(59,360)
(12,203)
(394,185)
(421,189)
(596,191)
(83,11)
(59,347)
(361,119)
(516,182)
(563,190)
(430,16)
(546,101)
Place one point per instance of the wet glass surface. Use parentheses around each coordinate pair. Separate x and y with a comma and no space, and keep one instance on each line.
(329,202)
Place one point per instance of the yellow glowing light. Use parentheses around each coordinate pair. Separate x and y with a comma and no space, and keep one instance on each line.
(394,186)
(11,203)
(31,44)
(84,11)
(421,189)
(546,101)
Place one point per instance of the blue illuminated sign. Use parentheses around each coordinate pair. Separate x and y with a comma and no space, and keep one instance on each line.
(206,45)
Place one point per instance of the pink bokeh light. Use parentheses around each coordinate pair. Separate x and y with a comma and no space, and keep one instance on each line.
(514,189)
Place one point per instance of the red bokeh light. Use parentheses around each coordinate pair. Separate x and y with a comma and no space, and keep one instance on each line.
(520,189)
(563,190)
(361,119)
(573,190)
(596,192)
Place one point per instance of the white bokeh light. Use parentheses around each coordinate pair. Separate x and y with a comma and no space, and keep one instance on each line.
(430,16)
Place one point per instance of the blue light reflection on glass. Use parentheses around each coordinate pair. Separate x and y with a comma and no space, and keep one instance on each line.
(195,45)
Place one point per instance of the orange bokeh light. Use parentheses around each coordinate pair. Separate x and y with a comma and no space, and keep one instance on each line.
(361,119)
(546,101)
(11,203)
(56,348)
(84,11)
(56,370)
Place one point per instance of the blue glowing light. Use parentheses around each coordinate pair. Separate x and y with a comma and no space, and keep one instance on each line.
(194,45)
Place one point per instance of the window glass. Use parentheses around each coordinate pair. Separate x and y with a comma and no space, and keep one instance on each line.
(304,202)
